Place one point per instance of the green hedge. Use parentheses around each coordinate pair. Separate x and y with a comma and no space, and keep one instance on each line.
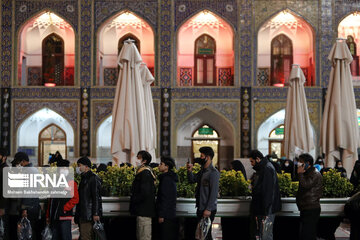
(117,181)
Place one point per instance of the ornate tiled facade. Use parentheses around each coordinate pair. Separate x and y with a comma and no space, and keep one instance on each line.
(246,102)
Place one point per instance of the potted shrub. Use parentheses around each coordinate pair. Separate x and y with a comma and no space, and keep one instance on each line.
(231,184)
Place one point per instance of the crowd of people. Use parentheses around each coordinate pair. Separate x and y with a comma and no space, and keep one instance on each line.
(147,203)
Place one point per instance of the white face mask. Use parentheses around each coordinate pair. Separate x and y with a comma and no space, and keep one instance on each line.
(286,164)
(78,170)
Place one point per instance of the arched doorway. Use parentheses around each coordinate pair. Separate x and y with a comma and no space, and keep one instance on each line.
(206,136)
(51,139)
(29,131)
(205,70)
(53,60)
(276,141)
(270,135)
(281,59)
(182,148)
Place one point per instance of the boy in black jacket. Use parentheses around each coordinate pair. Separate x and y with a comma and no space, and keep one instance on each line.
(142,201)
(166,199)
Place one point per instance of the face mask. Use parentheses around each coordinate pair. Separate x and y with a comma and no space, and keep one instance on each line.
(286,164)
(78,170)
(202,161)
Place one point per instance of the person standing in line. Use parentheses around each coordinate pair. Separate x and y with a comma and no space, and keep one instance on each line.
(142,200)
(3,201)
(207,187)
(308,197)
(60,210)
(89,208)
(266,199)
(166,199)
(30,207)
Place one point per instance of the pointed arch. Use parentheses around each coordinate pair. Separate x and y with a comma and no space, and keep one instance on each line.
(29,51)
(181,144)
(273,120)
(110,32)
(348,28)
(302,34)
(27,133)
(223,33)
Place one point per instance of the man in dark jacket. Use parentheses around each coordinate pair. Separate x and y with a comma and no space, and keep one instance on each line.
(207,187)
(166,199)
(89,208)
(265,195)
(30,207)
(142,201)
(3,201)
(308,196)
(60,210)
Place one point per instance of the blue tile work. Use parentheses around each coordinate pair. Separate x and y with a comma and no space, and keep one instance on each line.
(225,9)
(6,20)
(109,92)
(86,39)
(34,77)
(43,92)
(326,41)
(245,42)
(281,92)
(205,93)
(165,44)
(148,10)
(68,10)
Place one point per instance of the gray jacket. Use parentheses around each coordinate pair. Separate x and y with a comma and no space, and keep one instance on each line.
(207,187)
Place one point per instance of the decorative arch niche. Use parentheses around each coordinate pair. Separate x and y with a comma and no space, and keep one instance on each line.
(186,129)
(30,70)
(28,132)
(349,29)
(188,64)
(121,26)
(265,133)
(296,31)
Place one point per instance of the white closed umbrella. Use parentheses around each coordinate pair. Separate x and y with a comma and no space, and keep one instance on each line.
(298,137)
(131,130)
(339,137)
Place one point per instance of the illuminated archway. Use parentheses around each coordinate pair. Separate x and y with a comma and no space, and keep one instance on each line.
(205,22)
(185,133)
(29,130)
(270,131)
(122,24)
(349,28)
(302,37)
(31,67)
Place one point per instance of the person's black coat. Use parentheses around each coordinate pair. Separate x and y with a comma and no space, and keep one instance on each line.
(166,197)
(238,166)
(288,169)
(266,193)
(3,201)
(355,175)
(142,201)
(90,203)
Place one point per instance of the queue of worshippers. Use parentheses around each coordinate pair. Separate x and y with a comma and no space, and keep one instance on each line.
(147,204)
